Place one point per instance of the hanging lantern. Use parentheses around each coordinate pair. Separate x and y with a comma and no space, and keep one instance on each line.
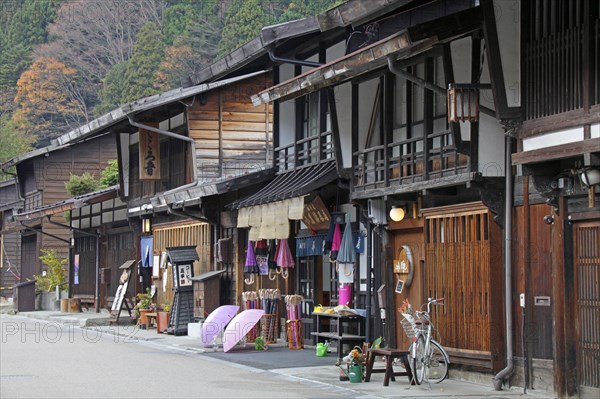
(463,102)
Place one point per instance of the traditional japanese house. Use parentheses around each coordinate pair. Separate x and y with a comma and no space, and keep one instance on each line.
(556,233)
(10,242)
(40,180)
(413,108)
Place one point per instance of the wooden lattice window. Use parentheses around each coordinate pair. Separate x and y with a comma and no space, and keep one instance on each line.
(461,262)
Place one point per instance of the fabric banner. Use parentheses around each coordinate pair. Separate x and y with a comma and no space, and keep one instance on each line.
(146,251)
(296,208)
(242,219)
(254,216)
(310,245)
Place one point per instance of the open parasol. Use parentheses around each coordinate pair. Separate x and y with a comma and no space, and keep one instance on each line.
(216,322)
(239,326)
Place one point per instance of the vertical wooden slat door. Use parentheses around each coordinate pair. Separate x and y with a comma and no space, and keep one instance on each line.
(587,271)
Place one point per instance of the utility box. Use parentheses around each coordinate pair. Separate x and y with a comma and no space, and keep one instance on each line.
(207,291)
(24,296)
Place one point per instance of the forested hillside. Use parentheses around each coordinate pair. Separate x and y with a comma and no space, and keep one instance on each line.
(65,62)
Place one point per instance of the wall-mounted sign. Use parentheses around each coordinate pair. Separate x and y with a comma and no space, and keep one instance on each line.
(403,264)
(149,155)
(399,287)
(184,274)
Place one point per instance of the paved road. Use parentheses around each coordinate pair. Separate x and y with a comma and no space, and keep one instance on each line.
(49,360)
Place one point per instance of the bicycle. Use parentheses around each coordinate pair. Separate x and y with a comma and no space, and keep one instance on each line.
(429,359)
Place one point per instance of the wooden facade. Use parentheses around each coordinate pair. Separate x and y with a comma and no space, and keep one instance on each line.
(42,183)
(556,224)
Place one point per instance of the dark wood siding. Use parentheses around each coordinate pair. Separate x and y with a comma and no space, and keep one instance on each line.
(532,260)
(233,137)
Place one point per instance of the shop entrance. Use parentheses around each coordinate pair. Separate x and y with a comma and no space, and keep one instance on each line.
(587,271)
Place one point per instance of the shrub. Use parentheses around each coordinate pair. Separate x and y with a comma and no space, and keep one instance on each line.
(56,273)
(79,185)
(110,174)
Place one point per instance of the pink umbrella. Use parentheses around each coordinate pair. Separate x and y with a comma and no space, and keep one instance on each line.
(239,326)
(284,256)
(216,322)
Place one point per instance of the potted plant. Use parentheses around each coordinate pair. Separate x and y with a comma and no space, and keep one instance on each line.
(162,318)
(143,306)
(47,282)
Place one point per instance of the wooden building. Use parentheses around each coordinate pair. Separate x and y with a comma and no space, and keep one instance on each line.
(556,209)
(41,176)
(10,241)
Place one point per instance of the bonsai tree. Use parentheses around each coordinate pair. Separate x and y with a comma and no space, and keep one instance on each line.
(56,273)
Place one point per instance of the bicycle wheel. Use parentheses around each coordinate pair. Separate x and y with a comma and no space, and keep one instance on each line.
(418,352)
(437,365)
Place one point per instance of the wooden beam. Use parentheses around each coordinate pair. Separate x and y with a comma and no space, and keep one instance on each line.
(439,182)
(495,63)
(564,120)
(337,147)
(557,152)
(273,33)
(361,61)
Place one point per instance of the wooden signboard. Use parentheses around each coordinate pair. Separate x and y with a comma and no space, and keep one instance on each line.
(149,155)
(122,296)
(316,216)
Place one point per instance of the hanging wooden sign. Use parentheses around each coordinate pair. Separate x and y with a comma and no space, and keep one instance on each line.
(149,155)
(316,216)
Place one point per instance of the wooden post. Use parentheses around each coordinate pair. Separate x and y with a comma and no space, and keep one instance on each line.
(558,275)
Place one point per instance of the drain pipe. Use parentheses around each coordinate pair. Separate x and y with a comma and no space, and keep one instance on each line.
(174,136)
(508,370)
(275,58)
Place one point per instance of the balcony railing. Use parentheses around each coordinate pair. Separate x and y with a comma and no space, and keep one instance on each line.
(305,152)
(404,162)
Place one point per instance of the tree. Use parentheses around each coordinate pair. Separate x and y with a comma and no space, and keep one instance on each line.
(143,65)
(243,22)
(112,89)
(298,9)
(12,141)
(110,175)
(49,99)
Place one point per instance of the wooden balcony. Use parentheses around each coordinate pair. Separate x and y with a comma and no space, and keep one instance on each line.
(304,153)
(404,166)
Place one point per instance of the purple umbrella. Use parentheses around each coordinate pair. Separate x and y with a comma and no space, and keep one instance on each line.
(250,266)
(239,326)
(216,322)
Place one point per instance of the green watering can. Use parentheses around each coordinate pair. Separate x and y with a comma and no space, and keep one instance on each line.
(322,349)
(354,373)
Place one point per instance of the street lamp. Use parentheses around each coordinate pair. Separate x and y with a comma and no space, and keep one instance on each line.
(463,102)
(146,225)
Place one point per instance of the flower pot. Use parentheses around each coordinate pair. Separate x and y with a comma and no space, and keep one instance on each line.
(143,320)
(162,321)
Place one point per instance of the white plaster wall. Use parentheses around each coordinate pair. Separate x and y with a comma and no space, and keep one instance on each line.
(343,102)
(366,97)
(461,63)
(552,139)
(336,51)
(491,147)
(508,24)
(287,112)
(595,131)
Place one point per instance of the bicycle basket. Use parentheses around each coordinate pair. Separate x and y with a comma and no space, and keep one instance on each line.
(410,327)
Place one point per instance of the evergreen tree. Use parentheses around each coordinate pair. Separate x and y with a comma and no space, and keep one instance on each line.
(243,22)
(112,89)
(142,67)
(298,9)
(12,141)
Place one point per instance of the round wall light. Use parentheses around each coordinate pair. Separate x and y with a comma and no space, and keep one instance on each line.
(397,214)
(590,177)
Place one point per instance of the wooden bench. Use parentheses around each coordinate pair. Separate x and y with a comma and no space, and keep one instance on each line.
(390,355)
